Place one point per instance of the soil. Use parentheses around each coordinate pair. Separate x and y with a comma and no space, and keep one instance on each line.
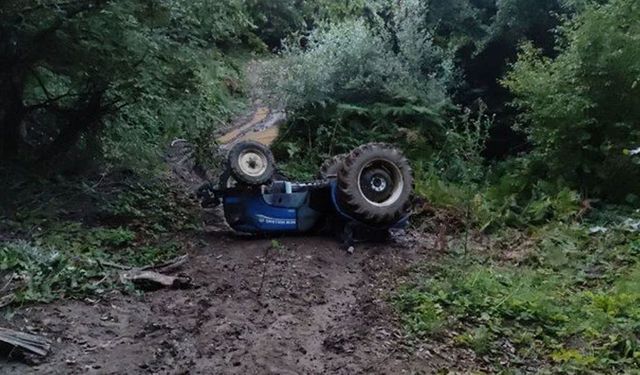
(301,306)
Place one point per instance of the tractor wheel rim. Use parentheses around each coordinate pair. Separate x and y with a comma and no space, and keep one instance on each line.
(390,176)
(253,163)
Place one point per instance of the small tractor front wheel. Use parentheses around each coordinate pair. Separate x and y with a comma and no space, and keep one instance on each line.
(251,163)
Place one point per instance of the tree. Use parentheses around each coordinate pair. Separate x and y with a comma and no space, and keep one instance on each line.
(75,74)
(581,109)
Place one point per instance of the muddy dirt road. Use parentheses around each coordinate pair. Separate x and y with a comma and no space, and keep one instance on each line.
(263,117)
(299,306)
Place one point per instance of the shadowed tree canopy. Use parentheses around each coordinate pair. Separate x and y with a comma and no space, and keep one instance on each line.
(72,71)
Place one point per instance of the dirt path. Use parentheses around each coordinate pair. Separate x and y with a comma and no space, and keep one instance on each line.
(302,307)
(261,126)
(262,121)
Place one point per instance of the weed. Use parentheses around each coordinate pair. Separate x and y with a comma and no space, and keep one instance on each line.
(480,339)
(63,244)
(278,246)
(43,273)
(572,304)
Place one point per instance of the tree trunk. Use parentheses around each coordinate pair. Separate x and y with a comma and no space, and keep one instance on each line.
(12,113)
(77,122)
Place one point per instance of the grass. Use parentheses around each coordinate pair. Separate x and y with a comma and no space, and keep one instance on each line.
(570,303)
(61,233)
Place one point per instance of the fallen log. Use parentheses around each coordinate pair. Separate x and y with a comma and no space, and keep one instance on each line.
(148,280)
(25,342)
(169,266)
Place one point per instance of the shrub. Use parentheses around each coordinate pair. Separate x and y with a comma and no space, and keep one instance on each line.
(43,274)
(354,62)
(570,306)
(62,248)
(581,109)
(358,81)
(276,21)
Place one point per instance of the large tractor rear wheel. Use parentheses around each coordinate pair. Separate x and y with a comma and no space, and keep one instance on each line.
(331,167)
(375,184)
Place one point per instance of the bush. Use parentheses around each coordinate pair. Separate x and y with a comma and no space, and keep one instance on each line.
(43,274)
(581,108)
(276,21)
(569,306)
(355,63)
(358,81)
(61,248)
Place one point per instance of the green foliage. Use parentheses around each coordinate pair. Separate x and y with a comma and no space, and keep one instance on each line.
(460,157)
(66,242)
(454,179)
(354,63)
(278,20)
(115,78)
(44,274)
(277,245)
(541,187)
(580,109)
(312,138)
(357,81)
(206,21)
(393,75)
(571,305)
(507,196)
(519,200)
(532,19)
(330,10)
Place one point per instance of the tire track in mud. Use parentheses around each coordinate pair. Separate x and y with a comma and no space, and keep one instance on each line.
(321,311)
(261,123)
(261,126)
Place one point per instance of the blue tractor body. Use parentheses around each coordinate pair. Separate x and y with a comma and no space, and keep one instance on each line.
(287,207)
(362,195)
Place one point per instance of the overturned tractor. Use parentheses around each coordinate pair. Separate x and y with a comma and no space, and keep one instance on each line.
(363,194)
